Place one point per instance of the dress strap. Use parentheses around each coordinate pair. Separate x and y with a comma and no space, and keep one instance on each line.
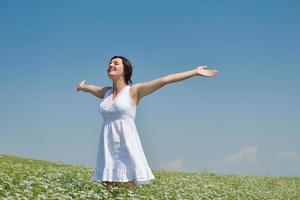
(129,97)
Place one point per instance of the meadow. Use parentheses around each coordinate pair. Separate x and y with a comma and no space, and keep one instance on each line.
(23,178)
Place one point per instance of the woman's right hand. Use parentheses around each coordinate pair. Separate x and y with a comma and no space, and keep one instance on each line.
(80,85)
(202,71)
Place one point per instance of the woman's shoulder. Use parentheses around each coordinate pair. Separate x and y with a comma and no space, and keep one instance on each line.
(106,89)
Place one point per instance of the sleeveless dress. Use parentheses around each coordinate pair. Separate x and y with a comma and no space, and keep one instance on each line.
(120,156)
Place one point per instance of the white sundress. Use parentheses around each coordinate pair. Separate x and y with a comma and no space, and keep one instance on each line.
(120,156)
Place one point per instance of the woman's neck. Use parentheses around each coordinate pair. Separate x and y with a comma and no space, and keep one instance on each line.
(118,86)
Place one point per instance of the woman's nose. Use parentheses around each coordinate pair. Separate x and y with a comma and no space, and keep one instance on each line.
(110,67)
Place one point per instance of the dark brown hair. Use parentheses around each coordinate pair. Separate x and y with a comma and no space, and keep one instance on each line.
(127,68)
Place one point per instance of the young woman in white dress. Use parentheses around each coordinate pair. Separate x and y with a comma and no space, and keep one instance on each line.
(119,71)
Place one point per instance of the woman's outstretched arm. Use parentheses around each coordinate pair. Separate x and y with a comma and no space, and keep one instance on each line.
(97,91)
(146,88)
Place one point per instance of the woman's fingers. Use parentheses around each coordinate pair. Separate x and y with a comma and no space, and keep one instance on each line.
(79,85)
(203,71)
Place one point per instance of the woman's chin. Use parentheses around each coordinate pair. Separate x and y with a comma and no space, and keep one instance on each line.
(111,74)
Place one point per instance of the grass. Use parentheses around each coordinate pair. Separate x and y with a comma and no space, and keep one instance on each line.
(22,178)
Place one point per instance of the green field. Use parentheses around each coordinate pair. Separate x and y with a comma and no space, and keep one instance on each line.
(22,178)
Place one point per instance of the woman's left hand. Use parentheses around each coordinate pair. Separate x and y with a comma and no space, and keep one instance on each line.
(201,71)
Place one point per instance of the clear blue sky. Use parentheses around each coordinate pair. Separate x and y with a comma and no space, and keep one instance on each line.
(245,120)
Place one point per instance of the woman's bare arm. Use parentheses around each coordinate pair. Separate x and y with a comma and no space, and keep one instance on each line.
(146,88)
(98,91)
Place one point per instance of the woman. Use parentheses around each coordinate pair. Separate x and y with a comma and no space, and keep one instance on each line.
(120,156)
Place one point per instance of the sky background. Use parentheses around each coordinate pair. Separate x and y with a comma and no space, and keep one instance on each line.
(243,121)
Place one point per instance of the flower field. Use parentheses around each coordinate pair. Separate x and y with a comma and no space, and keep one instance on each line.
(22,178)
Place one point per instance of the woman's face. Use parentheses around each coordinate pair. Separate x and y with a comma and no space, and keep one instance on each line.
(115,68)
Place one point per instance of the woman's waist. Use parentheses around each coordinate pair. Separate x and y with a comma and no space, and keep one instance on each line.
(113,117)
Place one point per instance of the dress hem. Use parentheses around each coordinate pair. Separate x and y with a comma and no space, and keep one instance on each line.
(144,181)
